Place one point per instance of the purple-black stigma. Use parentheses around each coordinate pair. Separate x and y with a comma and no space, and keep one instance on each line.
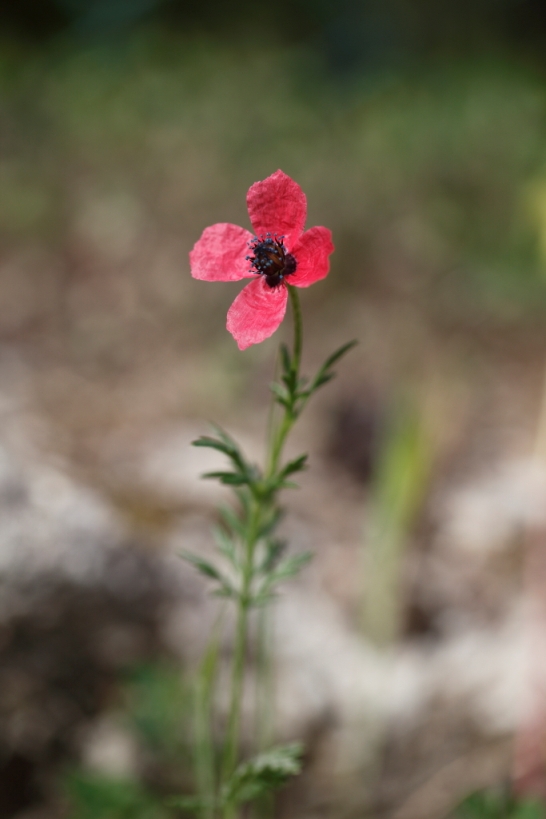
(270,259)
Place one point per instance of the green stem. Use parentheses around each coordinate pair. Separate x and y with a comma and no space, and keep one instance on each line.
(277,438)
(279,435)
(203,701)
(298,325)
(239,656)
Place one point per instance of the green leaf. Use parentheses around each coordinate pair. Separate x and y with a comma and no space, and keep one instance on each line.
(297,465)
(324,374)
(270,523)
(273,552)
(202,565)
(228,478)
(338,354)
(263,773)
(286,359)
(226,588)
(288,485)
(320,380)
(280,394)
(290,380)
(223,443)
(231,520)
(287,568)
(225,545)
(213,443)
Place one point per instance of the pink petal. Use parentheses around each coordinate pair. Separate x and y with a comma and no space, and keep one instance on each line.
(219,255)
(277,206)
(311,253)
(256,313)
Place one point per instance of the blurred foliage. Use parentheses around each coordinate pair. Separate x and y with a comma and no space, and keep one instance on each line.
(397,495)
(500,805)
(118,155)
(351,35)
(156,703)
(94,796)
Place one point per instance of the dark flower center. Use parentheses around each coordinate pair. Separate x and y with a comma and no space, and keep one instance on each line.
(270,259)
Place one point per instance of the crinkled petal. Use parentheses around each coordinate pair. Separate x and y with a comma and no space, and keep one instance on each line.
(311,253)
(219,255)
(277,206)
(256,313)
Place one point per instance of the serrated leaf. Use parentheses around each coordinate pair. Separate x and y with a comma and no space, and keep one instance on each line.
(265,772)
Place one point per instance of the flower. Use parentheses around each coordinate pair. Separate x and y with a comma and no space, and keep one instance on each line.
(280,251)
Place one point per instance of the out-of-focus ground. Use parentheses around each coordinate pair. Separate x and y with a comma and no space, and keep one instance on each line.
(403,651)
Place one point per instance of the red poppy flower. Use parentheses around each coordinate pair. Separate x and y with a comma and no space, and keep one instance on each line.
(279,252)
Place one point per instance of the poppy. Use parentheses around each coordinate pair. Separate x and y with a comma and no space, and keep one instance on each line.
(278,252)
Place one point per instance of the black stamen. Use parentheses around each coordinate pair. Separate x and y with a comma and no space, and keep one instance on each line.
(271,260)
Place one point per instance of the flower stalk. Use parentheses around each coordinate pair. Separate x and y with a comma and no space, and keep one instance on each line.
(252,558)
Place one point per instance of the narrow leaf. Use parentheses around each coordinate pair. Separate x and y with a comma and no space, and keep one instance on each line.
(280,393)
(270,523)
(289,568)
(286,359)
(231,520)
(273,552)
(321,379)
(203,566)
(224,443)
(226,545)
(229,478)
(297,465)
(338,354)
